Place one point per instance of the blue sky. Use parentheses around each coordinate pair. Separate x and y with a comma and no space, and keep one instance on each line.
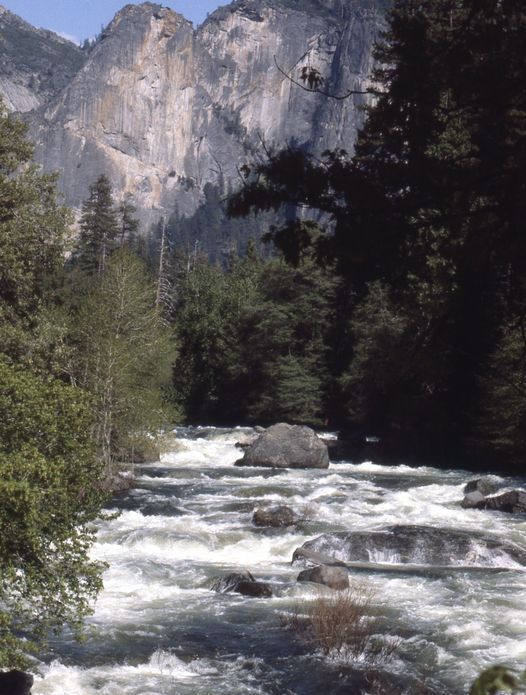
(80,19)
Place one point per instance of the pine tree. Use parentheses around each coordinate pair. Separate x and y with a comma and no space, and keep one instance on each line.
(33,228)
(128,223)
(99,228)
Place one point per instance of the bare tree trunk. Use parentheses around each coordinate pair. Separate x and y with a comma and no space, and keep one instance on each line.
(160,275)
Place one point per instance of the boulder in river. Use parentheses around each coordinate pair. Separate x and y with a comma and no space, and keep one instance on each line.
(513,501)
(476,497)
(486,485)
(472,499)
(287,446)
(15,683)
(275,517)
(417,545)
(119,481)
(330,575)
(241,583)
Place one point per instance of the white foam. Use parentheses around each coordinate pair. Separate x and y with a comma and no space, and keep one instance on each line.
(153,677)
(160,565)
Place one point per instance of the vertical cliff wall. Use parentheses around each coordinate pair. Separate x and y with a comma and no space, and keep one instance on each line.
(163,109)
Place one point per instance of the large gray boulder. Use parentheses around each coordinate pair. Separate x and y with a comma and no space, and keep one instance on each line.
(328,575)
(287,446)
(472,499)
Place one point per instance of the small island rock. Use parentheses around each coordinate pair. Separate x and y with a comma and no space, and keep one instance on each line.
(486,485)
(241,583)
(275,517)
(331,576)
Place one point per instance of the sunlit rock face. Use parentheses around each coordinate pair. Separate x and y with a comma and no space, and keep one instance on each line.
(163,109)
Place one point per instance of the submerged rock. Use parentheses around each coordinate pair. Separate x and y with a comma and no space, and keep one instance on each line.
(241,583)
(419,545)
(15,682)
(165,507)
(275,517)
(287,446)
(331,576)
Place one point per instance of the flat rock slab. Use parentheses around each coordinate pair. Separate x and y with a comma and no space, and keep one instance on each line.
(413,545)
(287,446)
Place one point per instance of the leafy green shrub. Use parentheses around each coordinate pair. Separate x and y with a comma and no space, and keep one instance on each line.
(49,495)
(497,679)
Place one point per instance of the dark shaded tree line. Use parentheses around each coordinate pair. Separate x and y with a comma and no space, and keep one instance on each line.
(253,339)
(427,233)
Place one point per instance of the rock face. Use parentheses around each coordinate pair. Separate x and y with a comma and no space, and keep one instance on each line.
(333,577)
(275,517)
(414,545)
(287,446)
(35,65)
(241,583)
(15,683)
(164,109)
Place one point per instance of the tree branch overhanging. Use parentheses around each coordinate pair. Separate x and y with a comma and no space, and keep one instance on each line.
(313,87)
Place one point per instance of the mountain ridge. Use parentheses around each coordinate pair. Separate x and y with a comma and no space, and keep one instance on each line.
(164,108)
(35,64)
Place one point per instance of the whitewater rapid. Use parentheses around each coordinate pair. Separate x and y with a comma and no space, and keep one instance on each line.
(158,629)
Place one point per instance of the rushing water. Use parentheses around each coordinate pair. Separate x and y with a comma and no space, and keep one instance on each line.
(159,630)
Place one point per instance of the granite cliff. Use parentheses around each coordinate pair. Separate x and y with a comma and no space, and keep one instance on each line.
(35,65)
(163,108)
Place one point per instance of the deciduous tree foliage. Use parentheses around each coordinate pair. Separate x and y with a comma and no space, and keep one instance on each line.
(49,475)
(123,354)
(48,498)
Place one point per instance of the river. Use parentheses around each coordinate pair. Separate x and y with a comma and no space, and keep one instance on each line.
(159,630)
